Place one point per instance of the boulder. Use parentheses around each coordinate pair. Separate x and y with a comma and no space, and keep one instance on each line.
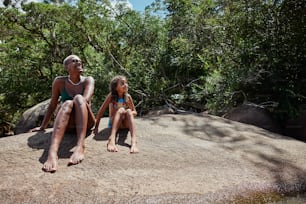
(32,117)
(254,115)
(160,111)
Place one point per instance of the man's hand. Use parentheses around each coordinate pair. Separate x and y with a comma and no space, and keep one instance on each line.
(37,129)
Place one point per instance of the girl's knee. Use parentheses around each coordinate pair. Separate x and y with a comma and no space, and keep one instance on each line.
(129,113)
(121,110)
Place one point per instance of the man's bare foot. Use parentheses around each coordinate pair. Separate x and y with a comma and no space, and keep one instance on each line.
(111,146)
(51,164)
(134,149)
(77,156)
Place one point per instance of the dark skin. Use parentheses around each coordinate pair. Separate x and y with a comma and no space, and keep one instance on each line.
(73,114)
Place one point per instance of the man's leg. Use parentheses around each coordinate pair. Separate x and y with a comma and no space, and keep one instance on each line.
(59,128)
(81,119)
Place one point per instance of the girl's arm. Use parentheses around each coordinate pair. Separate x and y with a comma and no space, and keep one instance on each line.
(101,111)
(131,105)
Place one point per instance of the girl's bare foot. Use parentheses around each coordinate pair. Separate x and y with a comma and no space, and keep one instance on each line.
(134,149)
(77,156)
(111,146)
(51,164)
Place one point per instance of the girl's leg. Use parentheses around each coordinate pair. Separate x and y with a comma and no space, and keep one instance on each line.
(132,127)
(111,145)
(60,125)
(81,120)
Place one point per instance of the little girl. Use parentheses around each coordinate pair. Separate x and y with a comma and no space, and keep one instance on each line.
(121,112)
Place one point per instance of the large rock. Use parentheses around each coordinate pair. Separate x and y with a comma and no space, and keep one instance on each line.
(183,159)
(32,117)
(254,115)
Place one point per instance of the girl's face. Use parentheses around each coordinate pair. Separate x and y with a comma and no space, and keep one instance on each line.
(122,86)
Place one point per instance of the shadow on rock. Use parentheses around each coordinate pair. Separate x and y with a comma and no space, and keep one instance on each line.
(42,140)
(120,137)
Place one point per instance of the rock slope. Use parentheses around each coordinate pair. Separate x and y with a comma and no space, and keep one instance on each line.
(183,159)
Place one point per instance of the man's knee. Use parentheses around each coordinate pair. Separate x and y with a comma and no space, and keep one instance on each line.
(67,106)
(79,99)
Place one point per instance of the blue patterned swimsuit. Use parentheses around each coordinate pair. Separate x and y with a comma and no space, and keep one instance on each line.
(116,105)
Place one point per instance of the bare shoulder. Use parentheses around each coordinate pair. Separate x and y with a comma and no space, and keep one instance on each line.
(109,97)
(89,79)
(129,97)
(58,81)
(57,86)
(60,78)
(130,101)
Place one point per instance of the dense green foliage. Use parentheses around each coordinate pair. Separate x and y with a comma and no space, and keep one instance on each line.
(198,55)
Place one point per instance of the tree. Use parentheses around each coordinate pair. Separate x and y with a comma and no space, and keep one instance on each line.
(263,57)
(201,55)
